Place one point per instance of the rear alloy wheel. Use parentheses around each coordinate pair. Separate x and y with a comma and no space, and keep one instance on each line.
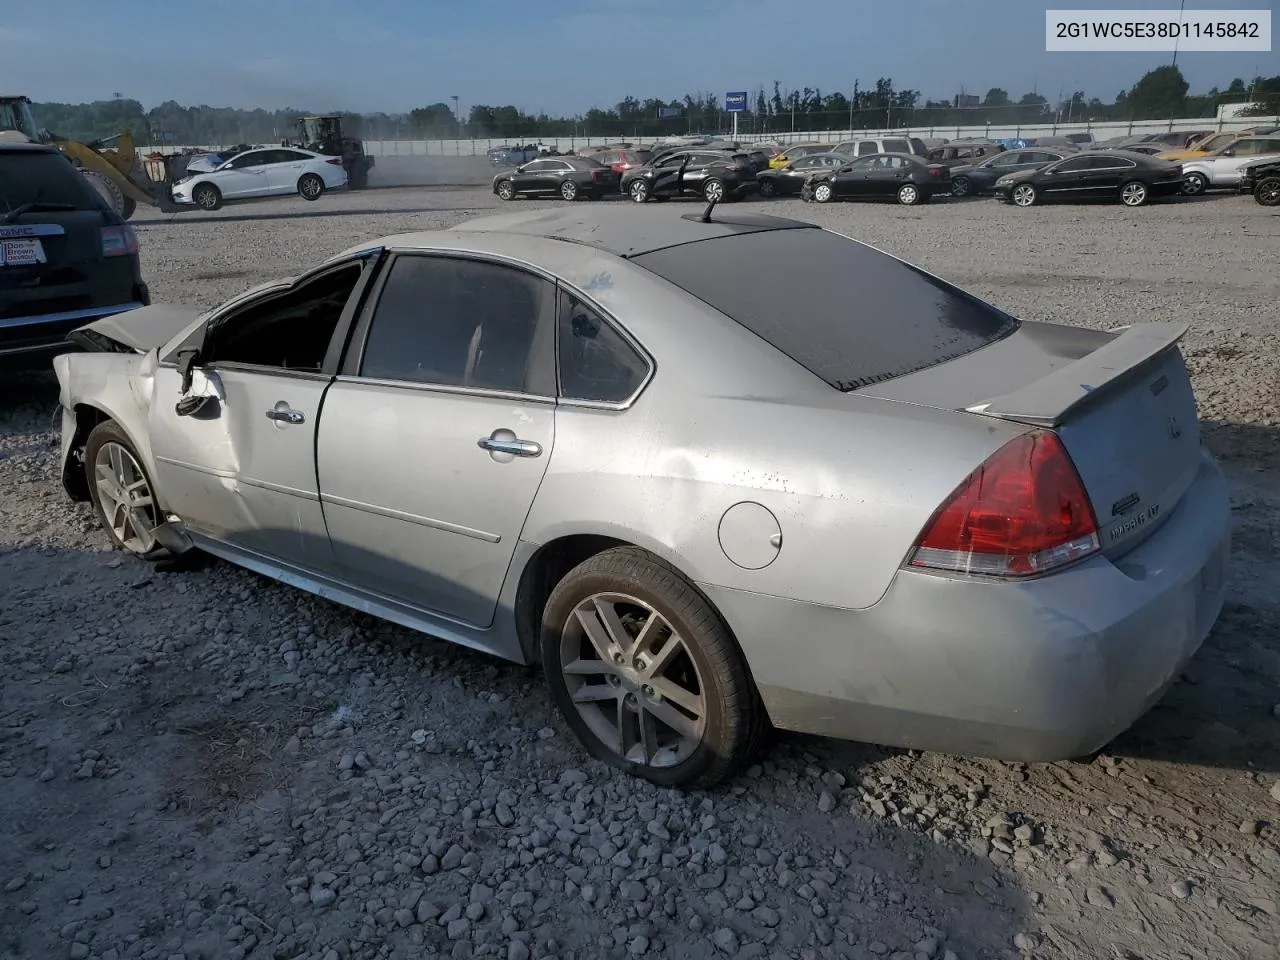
(1024,195)
(823,193)
(122,493)
(767,188)
(507,190)
(1267,192)
(310,186)
(1134,193)
(713,191)
(639,191)
(206,197)
(960,187)
(569,190)
(1195,184)
(646,674)
(908,194)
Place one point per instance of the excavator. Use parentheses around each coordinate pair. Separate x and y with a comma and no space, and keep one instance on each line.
(111,165)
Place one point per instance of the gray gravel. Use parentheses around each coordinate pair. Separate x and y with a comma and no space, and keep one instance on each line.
(205,764)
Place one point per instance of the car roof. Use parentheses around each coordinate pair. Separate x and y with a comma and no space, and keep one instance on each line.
(625,233)
(13,146)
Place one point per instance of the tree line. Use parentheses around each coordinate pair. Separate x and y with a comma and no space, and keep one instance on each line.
(1162,93)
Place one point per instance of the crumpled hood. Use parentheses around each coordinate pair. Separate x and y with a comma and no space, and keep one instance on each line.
(145,328)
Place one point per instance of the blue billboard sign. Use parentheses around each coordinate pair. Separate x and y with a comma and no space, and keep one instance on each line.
(735,102)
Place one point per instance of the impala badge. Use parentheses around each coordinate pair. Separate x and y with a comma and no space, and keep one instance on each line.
(1175,431)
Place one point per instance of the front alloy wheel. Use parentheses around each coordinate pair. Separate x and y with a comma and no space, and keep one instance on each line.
(960,187)
(645,673)
(1267,192)
(1024,195)
(639,191)
(507,190)
(121,491)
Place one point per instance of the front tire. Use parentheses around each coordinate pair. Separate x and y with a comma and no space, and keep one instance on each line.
(1195,184)
(569,190)
(960,187)
(638,191)
(207,197)
(767,188)
(310,186)
(507,190)
(122,492)
(1267,192)
(646,674)
(1024,195)
(823,193)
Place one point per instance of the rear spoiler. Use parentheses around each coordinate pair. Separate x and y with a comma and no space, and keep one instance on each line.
(1047,402)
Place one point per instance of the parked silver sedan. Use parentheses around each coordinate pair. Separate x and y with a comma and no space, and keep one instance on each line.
(838,496)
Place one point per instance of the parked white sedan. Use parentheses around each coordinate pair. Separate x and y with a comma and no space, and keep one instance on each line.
(1222,167)
(268,172)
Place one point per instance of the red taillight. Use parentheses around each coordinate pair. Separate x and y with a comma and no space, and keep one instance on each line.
(336,161)
(1023,512)
(119,241)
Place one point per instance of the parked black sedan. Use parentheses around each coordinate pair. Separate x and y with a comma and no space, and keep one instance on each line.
(566,177)
(980,178)
(788,180)
(1262,179)
(905,176)
(710,174)
(1131,178)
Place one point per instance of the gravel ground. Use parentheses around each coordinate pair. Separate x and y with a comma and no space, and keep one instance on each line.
(208,764)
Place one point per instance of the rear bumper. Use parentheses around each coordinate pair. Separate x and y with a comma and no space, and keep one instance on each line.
(45,333)
(1035,671)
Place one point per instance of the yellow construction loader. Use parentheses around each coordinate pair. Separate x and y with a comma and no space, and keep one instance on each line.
(111,165)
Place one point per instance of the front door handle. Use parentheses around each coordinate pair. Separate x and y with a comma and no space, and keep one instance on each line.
(513,446)
(283,413)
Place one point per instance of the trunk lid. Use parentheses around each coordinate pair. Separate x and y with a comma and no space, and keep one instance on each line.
(1121,402)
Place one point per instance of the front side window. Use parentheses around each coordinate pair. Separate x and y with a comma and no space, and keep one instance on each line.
(595,361)
(289,330)
(449,321)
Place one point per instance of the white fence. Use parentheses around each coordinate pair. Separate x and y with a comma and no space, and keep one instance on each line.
(1100,131)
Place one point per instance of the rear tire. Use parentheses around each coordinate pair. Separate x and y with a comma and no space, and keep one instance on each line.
(1195,184)
(713,190)
(122,492)
(569,190)
(310,186)
(1134,193)
(207,197)
(909,195)
(701,683)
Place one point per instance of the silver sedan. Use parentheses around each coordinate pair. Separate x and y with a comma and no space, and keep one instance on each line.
(838,496)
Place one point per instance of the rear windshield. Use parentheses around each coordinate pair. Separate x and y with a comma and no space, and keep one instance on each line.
(845,311)
(42,178)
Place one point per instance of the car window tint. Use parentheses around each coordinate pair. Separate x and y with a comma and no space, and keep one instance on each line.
(537,166)
(866,147)
(595,361)
(292,156)
(464,323)
(843,310)
(897,146)
(1075,163)
(248,160)
(46,177)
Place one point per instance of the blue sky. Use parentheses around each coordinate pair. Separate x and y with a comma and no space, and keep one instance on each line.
(562,57)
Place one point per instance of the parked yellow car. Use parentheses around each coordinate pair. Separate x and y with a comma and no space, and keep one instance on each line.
(1203,147)
(795,152)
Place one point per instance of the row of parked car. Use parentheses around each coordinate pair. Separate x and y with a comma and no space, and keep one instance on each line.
(910,170)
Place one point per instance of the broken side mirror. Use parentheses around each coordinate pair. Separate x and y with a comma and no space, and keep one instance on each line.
(187,358)
(190,406)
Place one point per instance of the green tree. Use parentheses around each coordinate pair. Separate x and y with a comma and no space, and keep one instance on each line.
(1160,94)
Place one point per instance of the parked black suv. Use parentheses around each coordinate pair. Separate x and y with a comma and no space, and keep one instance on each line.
(65,258)
(710,174)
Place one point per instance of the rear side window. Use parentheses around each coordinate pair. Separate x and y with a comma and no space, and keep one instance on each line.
(846,312)
(463,323)
(897,146)
(43,178)
(595,361)
(867,147)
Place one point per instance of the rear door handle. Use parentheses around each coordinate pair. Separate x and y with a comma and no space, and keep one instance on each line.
(515,447)
(283,413)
